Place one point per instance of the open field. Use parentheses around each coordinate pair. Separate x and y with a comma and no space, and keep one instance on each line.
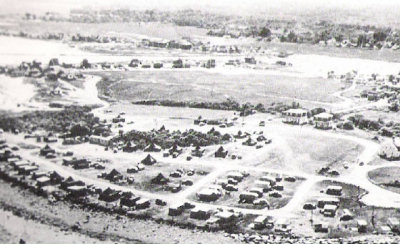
(214,87)
(160,30)
(387,175)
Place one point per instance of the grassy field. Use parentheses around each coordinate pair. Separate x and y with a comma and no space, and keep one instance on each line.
(216,87)
(385,175)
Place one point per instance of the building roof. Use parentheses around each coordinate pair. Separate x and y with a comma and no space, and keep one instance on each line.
(296,111)
(324,115)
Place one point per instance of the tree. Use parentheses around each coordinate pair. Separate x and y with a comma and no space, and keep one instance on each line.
(265,32)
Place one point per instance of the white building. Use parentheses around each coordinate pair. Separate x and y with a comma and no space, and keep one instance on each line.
(323,121)
(295,116)
(99,140)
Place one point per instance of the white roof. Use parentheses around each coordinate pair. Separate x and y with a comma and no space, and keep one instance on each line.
(43,179)
(224,215)
(339,188)
(361,222)
(330,207)
(296,111)
(324,115)
(261,219)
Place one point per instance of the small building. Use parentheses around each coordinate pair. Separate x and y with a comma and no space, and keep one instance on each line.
(109,195)
(100,140)
(160,179)
(322,227)
(38,174)
(208,195)
(235,175)
(56,178)
(362,225)
(258,190)
(328,200)
(27,170)
(247,197)
(114,176)
(77,191)
(176,210)
(225,217)
(334,190)
(199,213)
(323,121)
(43,181)
(295,116)
(261,221)
(143,203)
(329,210)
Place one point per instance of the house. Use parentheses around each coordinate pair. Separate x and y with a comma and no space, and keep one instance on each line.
(257,190)
(323,121)
(109,195)
(81,164)
(129,147)
(43,181)
(334,190)
(322,227)
(38,174)
(329,210)
(208,195)
(28,169)
(149,160)
(47,150)
(295,116)
(261,221)
(225,217)
(176,210)
(221,152)
(328,200)
(152,148)
(143,203)
(235,175)
(199,213)
(18,164)
(71,182)
(77,191)
(247,197)
(55,178)
(100,140)
(362,225)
